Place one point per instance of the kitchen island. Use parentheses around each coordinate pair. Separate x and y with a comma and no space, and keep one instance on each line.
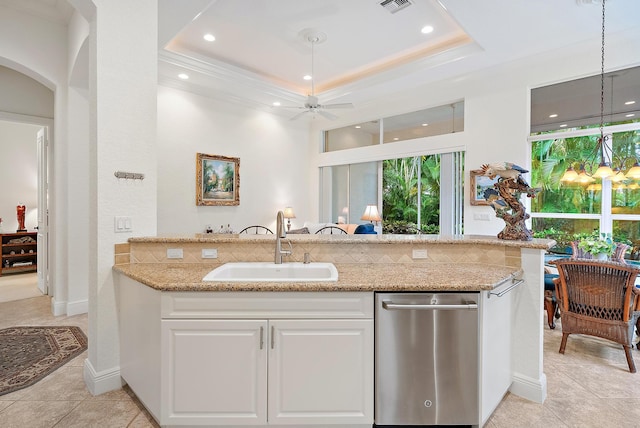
(280,354)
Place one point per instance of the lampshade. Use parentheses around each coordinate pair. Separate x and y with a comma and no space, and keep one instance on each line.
(570,175)
(634,172)
(288,213)
(371,213)
(604,171)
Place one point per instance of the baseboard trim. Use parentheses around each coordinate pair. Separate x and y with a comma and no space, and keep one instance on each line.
(530,388)
(78,307)
(58,308)
(104,381)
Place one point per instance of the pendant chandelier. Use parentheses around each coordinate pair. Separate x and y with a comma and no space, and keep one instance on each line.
(602,153)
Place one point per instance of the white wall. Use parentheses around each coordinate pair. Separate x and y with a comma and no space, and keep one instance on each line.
(18,174)
(77,193)
(123,69)
(273,156)
(21,95)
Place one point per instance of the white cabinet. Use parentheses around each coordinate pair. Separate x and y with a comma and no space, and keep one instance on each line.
(238,359)
(214,371)
(226,371)
(320,371)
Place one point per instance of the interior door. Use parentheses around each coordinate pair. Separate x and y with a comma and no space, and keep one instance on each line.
(43,210)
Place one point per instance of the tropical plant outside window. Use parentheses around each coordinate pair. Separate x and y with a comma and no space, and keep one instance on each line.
(567,212)
(411,194)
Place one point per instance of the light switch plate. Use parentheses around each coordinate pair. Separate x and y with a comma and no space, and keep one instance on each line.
(122,224)
(420,254)
(209,253)
(174,253)
(481,216)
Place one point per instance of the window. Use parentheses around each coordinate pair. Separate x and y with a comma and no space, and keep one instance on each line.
(411,194)
(562,211)
(414,192)
(347,190)
(445,119)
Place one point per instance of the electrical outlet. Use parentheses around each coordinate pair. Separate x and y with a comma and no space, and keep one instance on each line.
(209,253)
(420,254)
(174,253)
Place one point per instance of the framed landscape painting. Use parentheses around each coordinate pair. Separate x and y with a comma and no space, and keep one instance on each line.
(478,183)
(217,180)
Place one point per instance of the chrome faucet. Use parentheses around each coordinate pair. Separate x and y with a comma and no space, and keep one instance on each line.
(280,235)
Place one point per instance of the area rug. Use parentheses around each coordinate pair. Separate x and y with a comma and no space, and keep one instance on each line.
(28,354)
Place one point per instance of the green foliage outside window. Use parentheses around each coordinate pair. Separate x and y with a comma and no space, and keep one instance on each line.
(400,197)
(550,158)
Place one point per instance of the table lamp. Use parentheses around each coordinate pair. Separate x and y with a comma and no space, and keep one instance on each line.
(371,214)
(289,214)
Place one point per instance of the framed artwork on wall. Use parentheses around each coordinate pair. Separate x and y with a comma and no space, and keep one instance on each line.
(217,180)
(478,183)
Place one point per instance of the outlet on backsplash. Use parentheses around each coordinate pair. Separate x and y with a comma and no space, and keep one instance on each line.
(174,253)
(419,253)
(209,253)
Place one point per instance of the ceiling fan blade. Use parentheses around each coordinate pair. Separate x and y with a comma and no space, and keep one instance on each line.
(300,114)
(326,115)
(340,105)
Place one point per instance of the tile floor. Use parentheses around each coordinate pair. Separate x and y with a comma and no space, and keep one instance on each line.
(589,386)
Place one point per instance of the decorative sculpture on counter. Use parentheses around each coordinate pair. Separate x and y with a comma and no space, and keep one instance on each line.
(504,198)
(20,210)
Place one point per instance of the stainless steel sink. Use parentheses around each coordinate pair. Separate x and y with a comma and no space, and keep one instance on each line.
(271,272)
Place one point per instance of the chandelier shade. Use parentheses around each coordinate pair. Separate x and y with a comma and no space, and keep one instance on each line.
(602,153)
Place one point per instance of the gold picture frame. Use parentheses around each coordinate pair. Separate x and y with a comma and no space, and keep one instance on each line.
(478,183)
(217,180)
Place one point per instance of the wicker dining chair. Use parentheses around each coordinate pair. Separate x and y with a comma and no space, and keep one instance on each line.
(597,298)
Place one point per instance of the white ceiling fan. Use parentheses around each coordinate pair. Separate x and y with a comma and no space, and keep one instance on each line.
(312,105)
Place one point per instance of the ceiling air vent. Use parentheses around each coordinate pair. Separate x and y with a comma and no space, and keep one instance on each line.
(395,5)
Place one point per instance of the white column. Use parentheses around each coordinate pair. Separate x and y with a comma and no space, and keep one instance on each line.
(529,381)
(123,109)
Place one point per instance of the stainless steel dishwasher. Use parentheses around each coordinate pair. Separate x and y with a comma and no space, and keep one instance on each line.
(426,359)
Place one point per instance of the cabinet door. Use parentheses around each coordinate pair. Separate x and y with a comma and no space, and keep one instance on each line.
(321,372)
(214,372)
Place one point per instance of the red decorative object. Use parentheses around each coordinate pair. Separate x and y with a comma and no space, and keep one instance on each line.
(20,210)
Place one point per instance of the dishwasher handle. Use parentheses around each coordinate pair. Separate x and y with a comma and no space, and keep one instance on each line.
(416,306)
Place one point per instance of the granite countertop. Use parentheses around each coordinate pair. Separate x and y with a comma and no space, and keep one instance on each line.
(543,244)
(351,277)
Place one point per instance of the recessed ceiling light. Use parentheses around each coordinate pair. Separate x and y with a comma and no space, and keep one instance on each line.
(628,103)
(427,29)
(396,139)
(425,124)
(358,126)
(209,37)
(307,77)
(276,103)
(630,115)
(564,125)
(183,76)
(553,115)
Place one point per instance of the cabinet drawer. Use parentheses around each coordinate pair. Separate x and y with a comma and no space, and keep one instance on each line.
(252,305)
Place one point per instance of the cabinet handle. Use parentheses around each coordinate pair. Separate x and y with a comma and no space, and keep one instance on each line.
(261,337)
(273,336)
